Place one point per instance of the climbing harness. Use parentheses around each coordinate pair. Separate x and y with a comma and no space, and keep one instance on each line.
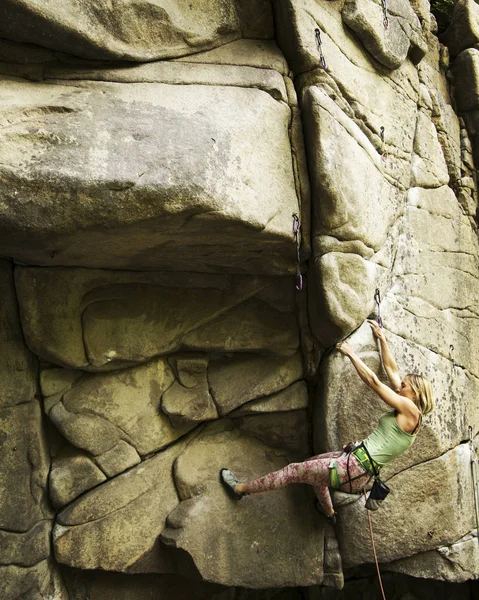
(475,480)
(296,228)
(384,152)
(385,13)
(374,551)
(377,299)
(319,43)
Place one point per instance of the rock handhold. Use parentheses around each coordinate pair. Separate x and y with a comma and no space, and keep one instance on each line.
(294,397)
(249,377)
(390,46)
(279,535)
(188,400)
(72,474)
(118,459)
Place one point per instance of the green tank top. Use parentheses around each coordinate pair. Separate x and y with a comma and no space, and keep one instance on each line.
(388,440)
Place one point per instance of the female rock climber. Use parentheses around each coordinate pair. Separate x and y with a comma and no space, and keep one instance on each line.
(348,470)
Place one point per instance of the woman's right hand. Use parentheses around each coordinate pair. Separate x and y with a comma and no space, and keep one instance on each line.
(377,331)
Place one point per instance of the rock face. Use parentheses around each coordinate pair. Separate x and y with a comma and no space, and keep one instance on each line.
(197,201)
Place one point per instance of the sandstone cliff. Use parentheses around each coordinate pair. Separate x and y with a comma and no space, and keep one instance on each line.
(154,158)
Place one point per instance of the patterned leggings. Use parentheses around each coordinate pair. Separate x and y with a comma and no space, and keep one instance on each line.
(316,472)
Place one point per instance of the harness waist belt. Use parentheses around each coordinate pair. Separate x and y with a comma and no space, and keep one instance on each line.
(363,457)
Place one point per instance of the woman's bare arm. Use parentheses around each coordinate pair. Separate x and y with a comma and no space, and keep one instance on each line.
(400,403)
(389,363)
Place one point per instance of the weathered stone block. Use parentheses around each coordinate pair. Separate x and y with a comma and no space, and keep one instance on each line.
(39,582)
(456,563)
(428,165)
(390,46)
(72,474)
(288,430)
(17,365)
(463,32)
(102,409)
(174,160)
(23,468)
(294,397)
(124,515)
(234,382)
(118,459)
(414,518)
(265,545)
(466,79)
(25,549)
(95,319)
(143,31)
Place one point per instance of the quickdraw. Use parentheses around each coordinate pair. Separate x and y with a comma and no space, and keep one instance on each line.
(296,228)
(319,44)
(377,299)
(385,13)
(474,461)
(384,155)
(451,356)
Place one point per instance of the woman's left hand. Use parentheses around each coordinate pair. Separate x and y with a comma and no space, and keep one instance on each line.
(345,347)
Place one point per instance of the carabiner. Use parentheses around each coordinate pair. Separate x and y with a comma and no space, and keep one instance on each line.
(299,282)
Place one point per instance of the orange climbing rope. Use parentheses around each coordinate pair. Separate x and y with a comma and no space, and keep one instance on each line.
(374,550)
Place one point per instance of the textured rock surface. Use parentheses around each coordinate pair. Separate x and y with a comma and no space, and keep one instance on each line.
(42,581)
(168,187)
(144,31)
(17,365)
(388,37)
(125,515)
(153,155)
(260,518)
(457,562)
(71,475)
(464,29)
(24,468)
(104,319)
(406,524)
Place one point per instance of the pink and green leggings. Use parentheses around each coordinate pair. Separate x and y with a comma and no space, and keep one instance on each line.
(316,472)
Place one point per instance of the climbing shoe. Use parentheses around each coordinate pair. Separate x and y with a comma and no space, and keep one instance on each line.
(229,482)
(331,519)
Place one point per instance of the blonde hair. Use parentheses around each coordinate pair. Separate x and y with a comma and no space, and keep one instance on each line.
(423,389)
